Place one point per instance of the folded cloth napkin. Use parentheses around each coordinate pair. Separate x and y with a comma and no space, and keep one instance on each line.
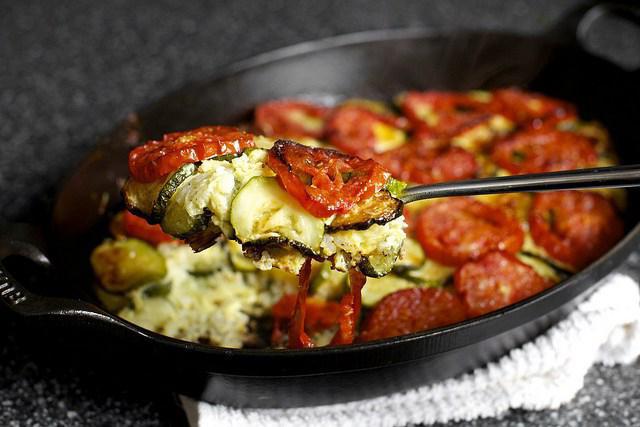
(541,374)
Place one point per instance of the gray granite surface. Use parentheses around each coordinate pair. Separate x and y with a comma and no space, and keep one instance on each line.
(70,70)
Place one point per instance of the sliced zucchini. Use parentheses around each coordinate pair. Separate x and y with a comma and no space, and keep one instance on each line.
(530,247)
(237,258)
(429,274)
(155,290)
(150,199)
(544,268)
(411,257)
(113,302)
(329,284)
(276,253)
(124,264)
(169,188)
(263,214)
(377,265)
(380,208)
(376,289)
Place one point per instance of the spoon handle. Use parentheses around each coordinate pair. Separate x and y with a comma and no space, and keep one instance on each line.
(605,177)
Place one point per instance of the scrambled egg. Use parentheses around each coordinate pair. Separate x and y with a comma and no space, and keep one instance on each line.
(202,298)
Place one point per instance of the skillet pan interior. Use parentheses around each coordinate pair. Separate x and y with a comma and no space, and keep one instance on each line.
(376,65)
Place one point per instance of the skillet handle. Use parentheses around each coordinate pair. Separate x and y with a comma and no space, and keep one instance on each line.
(609,30)
(23,240)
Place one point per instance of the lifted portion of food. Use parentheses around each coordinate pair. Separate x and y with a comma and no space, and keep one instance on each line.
(283,205)
(332,219)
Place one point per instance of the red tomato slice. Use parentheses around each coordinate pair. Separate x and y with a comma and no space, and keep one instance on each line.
(325,182)
(156,159)
(457,230)
(574,227)
(446,113)
(428,159)
(134,226)
(351,128)
(288,118)
(535,151)
(298,338)
(412,310)
(531,109)
(350,306)
(496,280)
(320,315)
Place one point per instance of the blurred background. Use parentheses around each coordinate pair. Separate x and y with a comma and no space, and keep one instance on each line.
(69,70)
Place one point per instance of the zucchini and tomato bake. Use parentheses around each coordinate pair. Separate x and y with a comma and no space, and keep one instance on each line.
(290,232)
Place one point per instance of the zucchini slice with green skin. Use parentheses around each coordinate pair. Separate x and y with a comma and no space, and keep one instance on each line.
(543,267)
(377,265)
(376,289)
(150,200)
(237,258)
(124,264)
(169,188)
(411,257)
(263,214)
(380,208)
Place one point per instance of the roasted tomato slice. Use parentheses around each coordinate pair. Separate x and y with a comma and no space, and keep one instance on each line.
(446,113)
(531,109)
(412,310)
(156,159)
(535,151)
(288,118)
(320,315)
(428,159)
(574,227)
(363,133)
(457,230)
(496,280)
(325,182)
(134,226)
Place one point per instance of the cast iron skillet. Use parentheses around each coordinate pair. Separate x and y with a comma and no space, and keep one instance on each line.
(374,64)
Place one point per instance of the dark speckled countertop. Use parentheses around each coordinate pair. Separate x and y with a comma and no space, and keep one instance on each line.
(70,70)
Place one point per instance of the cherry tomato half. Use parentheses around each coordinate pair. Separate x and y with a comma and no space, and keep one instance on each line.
(445,113)
(457,230)
(412,310)
(361,132)
(531,109)
(496,280)
(288,118)
(156,159)
(535,151)
(574,227)
(135,226)
(324,181)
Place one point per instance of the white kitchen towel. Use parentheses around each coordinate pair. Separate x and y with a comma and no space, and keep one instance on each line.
(541,374)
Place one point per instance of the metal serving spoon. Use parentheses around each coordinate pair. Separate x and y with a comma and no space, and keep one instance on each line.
(607,177)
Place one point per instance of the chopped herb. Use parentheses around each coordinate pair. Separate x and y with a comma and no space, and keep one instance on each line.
(395,187)
(518,156)
(156,290)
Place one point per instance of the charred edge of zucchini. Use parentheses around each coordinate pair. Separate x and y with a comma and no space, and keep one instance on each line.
(204,235)
(376,268)
(255,248)
(562,272)
(380,209)
(169,188)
